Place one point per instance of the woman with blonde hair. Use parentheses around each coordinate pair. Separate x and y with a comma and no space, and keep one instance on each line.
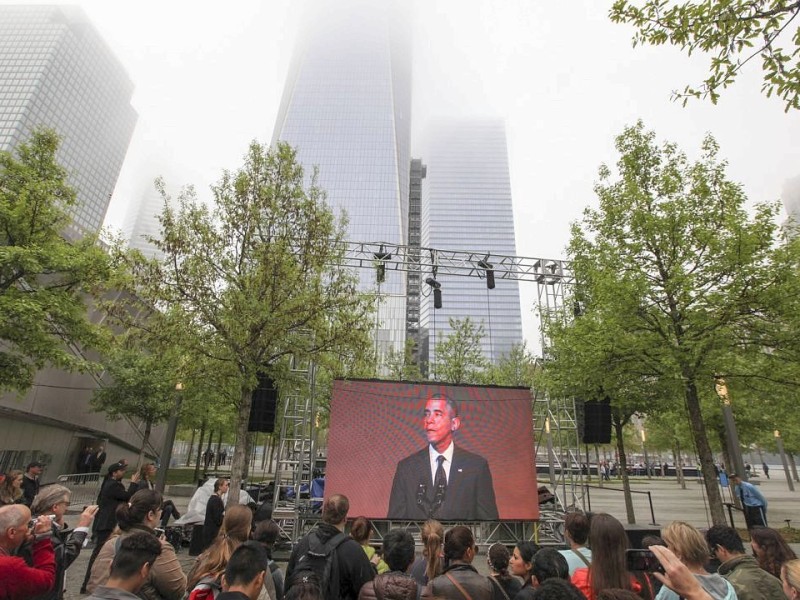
(429,566)
(790,577)
(11,488)
(210,565)
(692,550)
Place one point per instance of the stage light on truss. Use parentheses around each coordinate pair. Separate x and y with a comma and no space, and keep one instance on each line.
(437,291)
(380,263)
(489,270)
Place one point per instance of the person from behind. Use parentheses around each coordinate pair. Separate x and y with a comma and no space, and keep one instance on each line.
(18,579)
(130,568)
(360,531)
(556,588)
(549,563)
(245,573)
(498,557)
(30,482)
(749,580)
(691,548)
(790,578)
(266,533)
(460,578)
(11,488)
(770,549)
(576,533)
(521,564)
(609,566)
(305,587)
(67,543)
(395,583)
(165,580)
(353,568)
(430,564)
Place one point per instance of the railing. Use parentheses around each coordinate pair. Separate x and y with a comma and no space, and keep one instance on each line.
(84,487)
(649,498)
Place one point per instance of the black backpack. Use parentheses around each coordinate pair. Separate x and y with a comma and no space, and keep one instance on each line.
(319,563)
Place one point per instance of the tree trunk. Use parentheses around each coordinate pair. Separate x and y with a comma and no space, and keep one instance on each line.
(676,458)
(727,460)
(191,445)
(597,458)
(196,475)
(273,447)
(148,426)
(219,446)
(704,452)
(240,455)
(623,467)
(793,465)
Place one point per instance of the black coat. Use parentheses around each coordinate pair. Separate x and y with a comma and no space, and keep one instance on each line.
(112,494)
(469,495)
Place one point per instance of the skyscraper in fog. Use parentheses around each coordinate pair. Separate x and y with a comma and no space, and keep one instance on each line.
(346,108)
(57,72)
(466,205)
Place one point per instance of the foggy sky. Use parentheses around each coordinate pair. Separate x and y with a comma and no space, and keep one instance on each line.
(209,79)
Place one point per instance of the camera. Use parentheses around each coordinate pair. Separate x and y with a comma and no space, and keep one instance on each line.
(642,560)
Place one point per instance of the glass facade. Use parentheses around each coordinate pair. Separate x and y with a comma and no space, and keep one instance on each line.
(466,205)
(57,72)
(346,109)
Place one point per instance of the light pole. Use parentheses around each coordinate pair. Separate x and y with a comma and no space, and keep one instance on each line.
(646,460)
(169,440)
(731,436)
(779,443)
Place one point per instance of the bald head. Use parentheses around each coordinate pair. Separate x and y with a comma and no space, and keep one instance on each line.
(13,525)
(335,508)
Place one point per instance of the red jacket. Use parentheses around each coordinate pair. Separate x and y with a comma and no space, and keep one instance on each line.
(582,581)
(18,581)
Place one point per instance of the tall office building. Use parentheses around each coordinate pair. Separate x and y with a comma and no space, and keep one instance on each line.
(57,72)
(346,109)
(466,205)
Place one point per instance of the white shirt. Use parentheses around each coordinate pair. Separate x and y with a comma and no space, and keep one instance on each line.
(448,460)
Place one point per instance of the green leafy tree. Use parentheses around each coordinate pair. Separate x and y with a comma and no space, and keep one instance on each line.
(459,358)
(43,274)
(672,273)
(402,366)
(250,280)
(515,368)
(733,32)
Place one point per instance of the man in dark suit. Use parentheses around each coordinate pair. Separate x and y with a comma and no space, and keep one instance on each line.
(442,481)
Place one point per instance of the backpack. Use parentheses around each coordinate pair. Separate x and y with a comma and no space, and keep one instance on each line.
(207,588)
(319,561)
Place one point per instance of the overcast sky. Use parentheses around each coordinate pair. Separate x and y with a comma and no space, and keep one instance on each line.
(209,78)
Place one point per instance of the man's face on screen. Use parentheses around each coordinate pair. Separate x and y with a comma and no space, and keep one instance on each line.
(439,423)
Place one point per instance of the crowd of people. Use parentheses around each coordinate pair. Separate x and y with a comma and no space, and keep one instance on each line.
(132,559)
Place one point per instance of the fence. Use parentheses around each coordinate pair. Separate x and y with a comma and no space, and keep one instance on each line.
(84,487)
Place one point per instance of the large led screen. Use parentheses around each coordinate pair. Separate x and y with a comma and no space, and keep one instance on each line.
(386,439)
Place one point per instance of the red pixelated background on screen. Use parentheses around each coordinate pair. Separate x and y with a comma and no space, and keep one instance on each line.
(375,424)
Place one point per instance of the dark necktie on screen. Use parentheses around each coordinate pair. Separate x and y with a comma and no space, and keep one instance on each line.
(440,481)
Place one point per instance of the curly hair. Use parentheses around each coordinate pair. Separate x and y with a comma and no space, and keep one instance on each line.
(235,530)
(774,549)
(8,493)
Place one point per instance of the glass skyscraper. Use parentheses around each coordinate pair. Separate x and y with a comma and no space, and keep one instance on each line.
(466,205)
(57,72)
(346,109)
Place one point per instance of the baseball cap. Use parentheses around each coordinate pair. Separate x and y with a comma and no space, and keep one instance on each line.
(117,466)
(33,464)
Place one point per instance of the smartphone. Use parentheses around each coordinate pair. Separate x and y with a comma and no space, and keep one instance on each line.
(159,531)
(642,560)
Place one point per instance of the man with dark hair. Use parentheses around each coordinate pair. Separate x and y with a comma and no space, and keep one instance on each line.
(348,569)
(30,482)
(130,568)
(442,481)
(245,573)
(749,580)
(549,563)
(753,502)
(18,580)
(397,584)
(557,589)
(576,532)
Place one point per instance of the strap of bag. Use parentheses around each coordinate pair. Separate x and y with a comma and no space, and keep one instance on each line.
(459,586)
(582,557)
(499,587)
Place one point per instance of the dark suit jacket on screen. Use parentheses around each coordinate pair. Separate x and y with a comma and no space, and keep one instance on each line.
(469,495)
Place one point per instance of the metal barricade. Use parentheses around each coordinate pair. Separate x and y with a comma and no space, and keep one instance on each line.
(84,488)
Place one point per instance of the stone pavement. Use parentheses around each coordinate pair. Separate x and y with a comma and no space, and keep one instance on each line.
(670,503)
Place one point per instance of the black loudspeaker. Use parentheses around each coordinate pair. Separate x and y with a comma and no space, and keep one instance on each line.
(264,406)
(596,422)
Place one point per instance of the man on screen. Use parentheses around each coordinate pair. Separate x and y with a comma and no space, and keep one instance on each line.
(442,481)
